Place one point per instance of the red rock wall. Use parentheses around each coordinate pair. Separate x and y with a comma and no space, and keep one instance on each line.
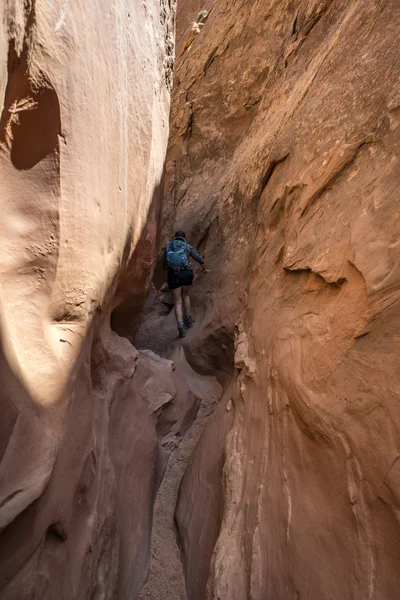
(87,422)
(283,167)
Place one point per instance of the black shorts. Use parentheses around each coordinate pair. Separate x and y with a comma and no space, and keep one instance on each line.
(177,280)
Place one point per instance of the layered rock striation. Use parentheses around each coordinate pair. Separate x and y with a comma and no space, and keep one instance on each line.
(283,167)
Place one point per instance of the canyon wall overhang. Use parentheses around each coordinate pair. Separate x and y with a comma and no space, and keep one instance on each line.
(85,93)
(283,166)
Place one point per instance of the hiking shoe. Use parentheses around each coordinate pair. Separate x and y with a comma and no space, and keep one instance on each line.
(182,332)
(189,321)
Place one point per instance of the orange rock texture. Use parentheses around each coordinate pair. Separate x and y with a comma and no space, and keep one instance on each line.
(283,168)
(87,422)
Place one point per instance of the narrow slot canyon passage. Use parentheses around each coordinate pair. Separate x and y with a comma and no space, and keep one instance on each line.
(258,458)
(166,577)
(157,332)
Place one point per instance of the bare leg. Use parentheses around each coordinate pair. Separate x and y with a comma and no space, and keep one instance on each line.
(186,298)
(177,294)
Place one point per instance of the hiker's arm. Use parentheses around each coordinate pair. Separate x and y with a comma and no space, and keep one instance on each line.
(194,254)
(163,288)
(164,259)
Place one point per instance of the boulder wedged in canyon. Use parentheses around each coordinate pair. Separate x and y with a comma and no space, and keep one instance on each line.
(283,168)
(87,421)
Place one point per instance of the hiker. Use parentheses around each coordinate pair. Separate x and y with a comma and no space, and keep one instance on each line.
(180,277)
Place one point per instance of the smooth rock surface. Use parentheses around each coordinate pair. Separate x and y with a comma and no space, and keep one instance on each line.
(283,168)
(86,420)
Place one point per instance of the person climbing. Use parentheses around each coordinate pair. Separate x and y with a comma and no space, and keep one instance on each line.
(180,277)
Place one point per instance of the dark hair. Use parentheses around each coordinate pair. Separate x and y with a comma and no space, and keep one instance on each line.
(180,234)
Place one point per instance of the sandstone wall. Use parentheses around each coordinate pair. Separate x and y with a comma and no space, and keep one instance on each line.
(84,94)
(283,167)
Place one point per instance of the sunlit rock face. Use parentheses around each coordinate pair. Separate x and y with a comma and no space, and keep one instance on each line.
(283,168)
(84,94)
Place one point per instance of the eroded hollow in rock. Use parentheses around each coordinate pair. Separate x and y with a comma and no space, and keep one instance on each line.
(282,167)
(30,124)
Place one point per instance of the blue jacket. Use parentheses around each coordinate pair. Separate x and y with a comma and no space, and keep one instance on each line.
(190,252)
